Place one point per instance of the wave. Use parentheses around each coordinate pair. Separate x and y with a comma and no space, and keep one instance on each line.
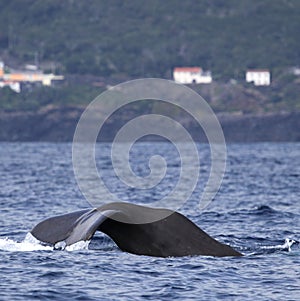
(264,210)
(27,245)
(262,249)
(30,243)
(259,211)
(284,247)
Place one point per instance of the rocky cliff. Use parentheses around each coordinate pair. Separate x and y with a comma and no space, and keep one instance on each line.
(57,124)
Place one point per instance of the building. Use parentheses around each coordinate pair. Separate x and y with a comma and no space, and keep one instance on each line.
(259,77)
(12,85)
(1,69)
(295,71)
(15,78)
(191,75)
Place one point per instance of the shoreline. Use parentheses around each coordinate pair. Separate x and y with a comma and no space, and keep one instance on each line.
(57,124)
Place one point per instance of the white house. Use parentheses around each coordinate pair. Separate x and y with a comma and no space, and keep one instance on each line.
(295,71)
(259,77)
(12,85)
(27,76)
(190,75)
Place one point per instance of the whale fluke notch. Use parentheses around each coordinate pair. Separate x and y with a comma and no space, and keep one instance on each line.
(173,235)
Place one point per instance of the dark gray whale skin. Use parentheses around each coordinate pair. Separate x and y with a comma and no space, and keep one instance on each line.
(171,233)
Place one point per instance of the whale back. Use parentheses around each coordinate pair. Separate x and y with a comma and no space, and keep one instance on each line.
(174,235)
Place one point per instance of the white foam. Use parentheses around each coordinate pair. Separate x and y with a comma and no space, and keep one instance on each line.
(27,245)
(80,245)
(286,246)
(30,243)
(288,243)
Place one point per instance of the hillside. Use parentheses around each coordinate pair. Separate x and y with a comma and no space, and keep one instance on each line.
(242,98)
(148,38)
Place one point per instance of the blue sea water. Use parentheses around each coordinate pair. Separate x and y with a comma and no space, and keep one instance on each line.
(256,210)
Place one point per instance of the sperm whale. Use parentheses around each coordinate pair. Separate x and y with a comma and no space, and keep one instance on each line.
(169,234)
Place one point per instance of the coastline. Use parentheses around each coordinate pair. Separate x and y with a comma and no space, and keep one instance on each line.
(57,124)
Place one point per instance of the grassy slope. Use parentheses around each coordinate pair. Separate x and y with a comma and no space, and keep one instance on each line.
(148,38)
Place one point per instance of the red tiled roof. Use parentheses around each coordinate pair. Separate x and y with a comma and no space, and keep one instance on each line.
(187,69)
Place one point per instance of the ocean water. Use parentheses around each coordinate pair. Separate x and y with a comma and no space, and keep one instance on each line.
(257,211)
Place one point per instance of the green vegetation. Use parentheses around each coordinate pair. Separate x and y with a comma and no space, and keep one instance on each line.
(148,38)
(222,97)
(117,39)
(38,97)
